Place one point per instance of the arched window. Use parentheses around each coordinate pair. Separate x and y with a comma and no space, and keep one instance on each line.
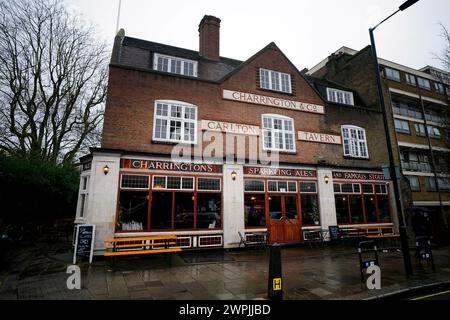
(354,142)
(278,133)
(174,121)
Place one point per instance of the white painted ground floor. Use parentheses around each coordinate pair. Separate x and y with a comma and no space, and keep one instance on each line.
(209,204)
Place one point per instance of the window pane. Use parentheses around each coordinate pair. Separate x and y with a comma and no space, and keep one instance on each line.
(356,209)
(369,206)
(282,186)
(291,207)
(347,188)
(254,210)
(209,210)
(189,131)
(184,210)
(135,181)
(310,187)
(83,204)
(367,188)
(414,183)
(272,186)
(161,129)
(187,183)
(275,207)
(208,184)
(337,187)
(310,210)
(85,183)
(383,206)
(289,141)
(265,83)
(275,78)
(133,210)
(342,208)
(173,183)
(292,186)
(254,185)
(159,182)
(161,214)
(175,130)
(267,139)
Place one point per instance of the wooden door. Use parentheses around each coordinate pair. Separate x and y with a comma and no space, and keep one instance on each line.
(283,214)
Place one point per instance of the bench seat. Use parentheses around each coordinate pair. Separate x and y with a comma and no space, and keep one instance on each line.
(131,252)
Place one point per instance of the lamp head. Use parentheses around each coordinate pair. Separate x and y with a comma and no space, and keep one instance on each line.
(105,169)
(407,4)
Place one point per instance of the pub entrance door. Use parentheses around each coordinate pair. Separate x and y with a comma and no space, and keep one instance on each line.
(284,221)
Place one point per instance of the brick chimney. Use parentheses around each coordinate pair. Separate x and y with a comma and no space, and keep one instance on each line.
(209,32)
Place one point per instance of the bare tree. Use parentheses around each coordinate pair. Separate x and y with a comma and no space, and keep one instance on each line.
(52,81)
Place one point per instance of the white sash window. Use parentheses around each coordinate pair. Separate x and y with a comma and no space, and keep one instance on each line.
(354,142)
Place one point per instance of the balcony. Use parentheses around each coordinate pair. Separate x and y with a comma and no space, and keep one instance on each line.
(416,166)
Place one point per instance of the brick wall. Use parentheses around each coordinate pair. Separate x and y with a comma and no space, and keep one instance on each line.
(131,96)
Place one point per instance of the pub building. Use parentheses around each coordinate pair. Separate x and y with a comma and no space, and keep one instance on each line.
(264,148)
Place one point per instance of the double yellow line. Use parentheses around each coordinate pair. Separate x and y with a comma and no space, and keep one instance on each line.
(431,295)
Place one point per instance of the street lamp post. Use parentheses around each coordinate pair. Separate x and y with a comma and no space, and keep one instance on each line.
(402,227)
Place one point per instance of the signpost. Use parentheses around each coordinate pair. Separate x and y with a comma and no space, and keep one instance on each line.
(84,242)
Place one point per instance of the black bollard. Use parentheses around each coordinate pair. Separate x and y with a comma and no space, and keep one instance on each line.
(275,291)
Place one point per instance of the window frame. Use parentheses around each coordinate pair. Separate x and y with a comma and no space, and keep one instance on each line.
(393,72)
(408,77)
(283,131)
(171,60)
(333,93)
(439,88)
(358,141)
(172,189)
(207,190)
(272,83)
(416,189)
(401,130)
(83,196)
(277,181)
(168,118)
(253,191)
(134,174)
(424,81)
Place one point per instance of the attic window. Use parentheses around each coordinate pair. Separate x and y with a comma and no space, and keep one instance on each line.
(175,65)
(340,96)
(274,80)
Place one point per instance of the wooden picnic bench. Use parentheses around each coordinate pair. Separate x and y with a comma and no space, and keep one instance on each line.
(369,232)
(122,246)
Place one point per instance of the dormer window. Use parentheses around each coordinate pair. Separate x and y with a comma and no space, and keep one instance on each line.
(175,65)
(274,80)
(340,96)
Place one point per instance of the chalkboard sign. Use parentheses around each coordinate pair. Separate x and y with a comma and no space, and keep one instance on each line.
(84,242)
(334,232)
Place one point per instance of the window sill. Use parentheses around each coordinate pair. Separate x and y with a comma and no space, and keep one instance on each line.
(275,91)
(356,158)
(169,142)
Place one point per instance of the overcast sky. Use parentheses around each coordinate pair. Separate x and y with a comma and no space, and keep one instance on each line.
(306,31)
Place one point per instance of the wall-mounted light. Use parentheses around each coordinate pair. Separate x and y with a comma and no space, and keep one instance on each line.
(233,175)
(326,178)
(105,169)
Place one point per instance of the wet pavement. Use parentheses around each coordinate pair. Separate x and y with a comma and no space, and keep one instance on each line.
(330,272)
